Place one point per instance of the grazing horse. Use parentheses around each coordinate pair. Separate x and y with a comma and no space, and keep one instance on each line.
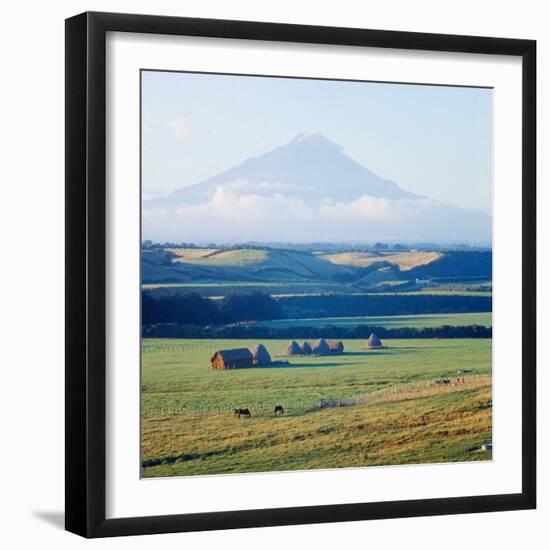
(279,409)
(244,412)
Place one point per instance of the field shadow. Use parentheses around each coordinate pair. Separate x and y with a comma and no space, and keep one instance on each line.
(298,365)
(363,353)
(375,352)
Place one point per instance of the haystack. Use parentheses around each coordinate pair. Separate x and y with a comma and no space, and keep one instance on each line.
(320,347)
(374,342)
(306,348)
(294,348)
(261,356)
(336,346)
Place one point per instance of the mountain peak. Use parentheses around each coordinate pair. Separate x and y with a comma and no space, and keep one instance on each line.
(311,137)
(308,189)
(309,164)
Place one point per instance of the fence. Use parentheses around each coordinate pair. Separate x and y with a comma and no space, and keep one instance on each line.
(302,405)
(397,389)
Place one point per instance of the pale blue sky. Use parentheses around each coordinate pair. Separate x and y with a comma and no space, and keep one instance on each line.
(432,140)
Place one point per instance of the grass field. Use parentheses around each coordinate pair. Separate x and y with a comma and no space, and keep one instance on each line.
(220,289)
(188,427)
(289,289)
(212,256)
(190,254)
(388,321)
(404,260)
(435,291)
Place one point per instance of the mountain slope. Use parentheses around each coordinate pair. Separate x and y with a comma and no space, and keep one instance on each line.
(305,191)
(309,166)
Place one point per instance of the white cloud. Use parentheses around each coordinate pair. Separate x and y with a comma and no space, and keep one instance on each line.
(231,214)
(180,127)
(373,209)
(226,204)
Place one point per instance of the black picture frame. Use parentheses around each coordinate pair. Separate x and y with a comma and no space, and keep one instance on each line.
(86,279)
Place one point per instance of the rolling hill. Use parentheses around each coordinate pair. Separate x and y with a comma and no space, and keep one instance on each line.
(404,260)
(242,265)
(360,270)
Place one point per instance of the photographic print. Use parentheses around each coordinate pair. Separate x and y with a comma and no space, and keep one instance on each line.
(316,274)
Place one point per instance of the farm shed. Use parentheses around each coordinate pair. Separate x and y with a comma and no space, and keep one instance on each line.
(336,346)
(320,347)
(306,348)
(374,342)
(261,356)
(294,348)
(232,359)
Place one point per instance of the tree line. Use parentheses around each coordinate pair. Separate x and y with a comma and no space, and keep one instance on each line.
(193,309)
(296,307)
(249,331)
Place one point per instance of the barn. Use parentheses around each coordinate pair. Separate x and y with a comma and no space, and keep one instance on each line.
(336,346)
(232,359)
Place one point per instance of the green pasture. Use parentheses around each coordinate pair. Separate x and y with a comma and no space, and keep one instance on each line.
(188,427)
(276,288)
(388,321)
(289,289)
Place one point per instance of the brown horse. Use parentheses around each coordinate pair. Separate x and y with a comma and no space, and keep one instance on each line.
(279,409)
(237,413)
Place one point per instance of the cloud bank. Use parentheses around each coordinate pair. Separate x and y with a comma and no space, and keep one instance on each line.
(267,211)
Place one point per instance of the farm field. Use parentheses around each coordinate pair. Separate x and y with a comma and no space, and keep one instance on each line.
(434,291)
(220,289)
(188,427)
(404,260)
(212,256)
(479,289)
(283,271)
(388,321)
(290,289)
